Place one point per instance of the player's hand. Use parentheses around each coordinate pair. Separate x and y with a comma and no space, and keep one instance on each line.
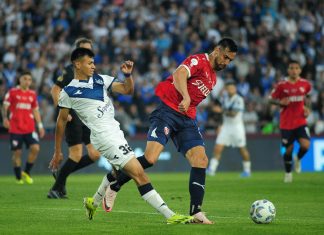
(127,67)
(285,101)
(56,161)
(41,132)
(184,105)
(6,123)
(306,111)
(69,118)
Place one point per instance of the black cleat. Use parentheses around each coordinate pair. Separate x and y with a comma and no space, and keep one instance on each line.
(54,194)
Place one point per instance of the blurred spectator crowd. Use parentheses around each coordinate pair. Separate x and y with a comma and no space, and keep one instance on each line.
(158,35)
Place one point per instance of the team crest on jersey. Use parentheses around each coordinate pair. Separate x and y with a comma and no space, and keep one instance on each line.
(193,62)
(302,89)
(166,130)
(30,98)
(99,81)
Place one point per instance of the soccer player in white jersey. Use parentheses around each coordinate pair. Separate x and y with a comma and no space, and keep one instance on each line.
(232,133)
(87,95)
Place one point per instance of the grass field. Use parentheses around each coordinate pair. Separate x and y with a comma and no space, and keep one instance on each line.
(300,206)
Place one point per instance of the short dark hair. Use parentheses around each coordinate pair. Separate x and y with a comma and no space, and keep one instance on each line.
(228,43)
(80,41)
(293,62)
(81,52)
(25,72)
(230,82)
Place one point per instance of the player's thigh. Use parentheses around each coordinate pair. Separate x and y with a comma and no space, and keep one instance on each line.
(16,141)
(75,152)
(32,141)
(287,137)
(94,154)
(74,132)
(303,135)
(152,151)
(238,139)
(197,157)
(218,149)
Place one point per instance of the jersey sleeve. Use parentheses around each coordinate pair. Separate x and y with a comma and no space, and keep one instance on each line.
(308,88)
(34,104)
(108,81)
(7,99)
(64,100)
(192,64)
(276,92)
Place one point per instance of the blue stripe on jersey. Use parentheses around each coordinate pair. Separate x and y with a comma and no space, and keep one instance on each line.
(95,93)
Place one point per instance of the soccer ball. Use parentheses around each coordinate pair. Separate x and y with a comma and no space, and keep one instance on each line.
(262,211)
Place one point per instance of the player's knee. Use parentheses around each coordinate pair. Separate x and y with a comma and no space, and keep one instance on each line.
(199,161)
(151,160)
(94,155)
(34,148)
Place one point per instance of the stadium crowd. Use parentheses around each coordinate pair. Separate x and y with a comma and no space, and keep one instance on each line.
(38,36)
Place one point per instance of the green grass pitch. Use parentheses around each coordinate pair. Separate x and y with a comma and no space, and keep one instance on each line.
(300,206)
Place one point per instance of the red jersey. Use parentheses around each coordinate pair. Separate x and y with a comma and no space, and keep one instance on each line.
(201,81)
(21,104)
(292,116)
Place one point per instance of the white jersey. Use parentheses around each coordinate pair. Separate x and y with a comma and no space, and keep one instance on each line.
(232,132)
(89,99)
(234,103)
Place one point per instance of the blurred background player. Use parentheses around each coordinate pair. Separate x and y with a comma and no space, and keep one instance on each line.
(290,95)
(87,94)
(232,132)
(76,133)
(23,112)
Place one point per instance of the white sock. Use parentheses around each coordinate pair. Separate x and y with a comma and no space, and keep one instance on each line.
(155,200)
(246,166)
(100,191)
(213,164)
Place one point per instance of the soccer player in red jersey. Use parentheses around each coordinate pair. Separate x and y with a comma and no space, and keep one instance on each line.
(175,118)
(23,111)
(290,95)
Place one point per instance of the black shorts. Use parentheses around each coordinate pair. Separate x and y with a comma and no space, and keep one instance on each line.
(76,132)
(17,140)
(289,136)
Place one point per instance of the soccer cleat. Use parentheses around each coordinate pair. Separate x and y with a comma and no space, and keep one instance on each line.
(90,208)
(200,218)
(55,194)
(297,166)
(19,181)
(180,219)
(288,177)
(109,199)
(27,178)
(245,174)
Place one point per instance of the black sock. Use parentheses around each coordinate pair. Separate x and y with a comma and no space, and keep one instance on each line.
(85,161)
(17,170)
(196,189)
(123,178)
(28,167)
(288,162)
(301,153)
(143,189)
(64,172)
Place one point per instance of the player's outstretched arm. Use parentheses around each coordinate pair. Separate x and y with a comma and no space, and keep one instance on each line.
(126,87)
(59,133)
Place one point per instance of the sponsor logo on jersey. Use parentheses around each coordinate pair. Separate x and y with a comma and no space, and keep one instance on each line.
(23,106)
(297,98)
(103,109)
(202,87)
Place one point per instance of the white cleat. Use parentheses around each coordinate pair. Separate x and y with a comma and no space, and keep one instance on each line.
(297,166)
(288,178)
(200,218)
(109,199)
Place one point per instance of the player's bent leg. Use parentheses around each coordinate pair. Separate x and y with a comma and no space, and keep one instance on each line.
(198,160)
(87,159)
(214,162)
(304,146)
(32,156)
(152,151)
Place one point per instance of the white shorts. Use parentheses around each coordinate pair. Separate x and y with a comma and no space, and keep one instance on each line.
(113,146)
(233,136)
